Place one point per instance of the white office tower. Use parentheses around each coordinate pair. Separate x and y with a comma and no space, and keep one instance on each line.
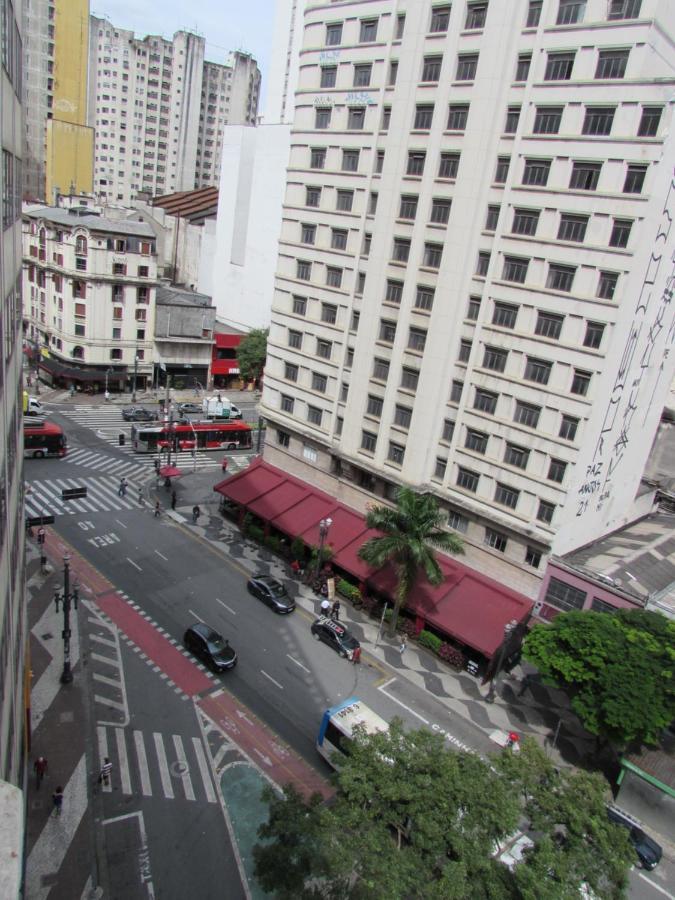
(474,283)
(159,110)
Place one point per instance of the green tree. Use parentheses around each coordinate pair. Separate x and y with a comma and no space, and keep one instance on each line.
(618,669)
(252,352)
(410,534)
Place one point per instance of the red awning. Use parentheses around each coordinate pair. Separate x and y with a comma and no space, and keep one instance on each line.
(170,472)
(345,527)
(303,519)
(283,496)
(348,558)
(258,480)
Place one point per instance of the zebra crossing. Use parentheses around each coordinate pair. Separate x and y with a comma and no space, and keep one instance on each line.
(102,496)
(139,471)
(152,765)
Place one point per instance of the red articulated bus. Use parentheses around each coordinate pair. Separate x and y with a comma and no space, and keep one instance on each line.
(196,435)
(44,439)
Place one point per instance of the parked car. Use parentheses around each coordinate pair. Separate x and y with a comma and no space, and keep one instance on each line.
(190,409)
(210,647)
(271,592)
(335,635)
(138,414)
(648,851)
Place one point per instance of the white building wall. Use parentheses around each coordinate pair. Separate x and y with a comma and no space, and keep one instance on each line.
(36,78)
(283,70)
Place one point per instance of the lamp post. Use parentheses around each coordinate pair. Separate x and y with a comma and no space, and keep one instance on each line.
(37,368)
(133,390)
(65,599)
(324,526)
(508,631)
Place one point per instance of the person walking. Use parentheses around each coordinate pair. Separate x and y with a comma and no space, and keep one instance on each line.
(173,499)
(106,770)
(41,767)
(123,487)
(140,495)
(335,610)
(356,655)
(404,644)
(196,513)
(57,800)
(107,396)
(158,510)
(325,607)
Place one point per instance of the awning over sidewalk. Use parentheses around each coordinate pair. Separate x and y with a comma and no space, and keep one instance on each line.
(467,605)
(170,472)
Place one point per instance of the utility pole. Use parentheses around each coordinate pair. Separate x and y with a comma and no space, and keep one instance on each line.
(133,390)
(66,598)
(168,407)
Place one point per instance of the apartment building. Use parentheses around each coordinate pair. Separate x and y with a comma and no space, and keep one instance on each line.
(474,275)
(158,110)
(89,289)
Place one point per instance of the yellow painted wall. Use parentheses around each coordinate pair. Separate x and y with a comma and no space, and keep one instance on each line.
(71,59)
(70,158)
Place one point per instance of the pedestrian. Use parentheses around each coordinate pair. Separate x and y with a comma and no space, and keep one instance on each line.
(57,800)
(107,396)
(106,769)
(325,607)
(71,391)
(335,610)
(404,644)
(140,495)
(41,766)
(123,487)
(356,655)
(157,467)
(158,510)
(196,513)
(224,464)
(295,568)
(173,499)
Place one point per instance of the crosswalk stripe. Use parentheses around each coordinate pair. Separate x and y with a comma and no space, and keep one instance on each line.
(163,766)
(123,761)
(185,775)
(142,760)
(203,769)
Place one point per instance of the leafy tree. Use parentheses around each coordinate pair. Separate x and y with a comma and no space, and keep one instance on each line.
(252,352)
(619,670)
(410,532)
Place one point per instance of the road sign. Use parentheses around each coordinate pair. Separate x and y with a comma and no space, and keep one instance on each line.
(36,521)
(73,493)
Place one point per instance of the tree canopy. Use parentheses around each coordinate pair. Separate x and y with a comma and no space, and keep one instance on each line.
(252,352)
(618,668)
(410,533)
(412,819)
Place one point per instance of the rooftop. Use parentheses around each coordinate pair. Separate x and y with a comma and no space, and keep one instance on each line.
(85,218)
(170,295)
(193,205)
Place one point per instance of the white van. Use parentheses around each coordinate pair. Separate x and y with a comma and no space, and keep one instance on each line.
(32,406)
(220,408)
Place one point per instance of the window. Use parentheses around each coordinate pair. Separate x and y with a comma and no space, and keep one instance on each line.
(379,161)
(580,383)
(119,269)
(319,382)
(570,12)
(386,118)
(344,201)
(401,250)
(283,438)
(402,416)
(328,76)
(324,349)
(416,160)
(523,66)
(502,170)
(506,495)
(533,14)
(424,113)
(117,334)
(328,313)
(314,415)
(356,118)
(492,217)
(537,370)
(495,539)
(559,66)
(593,336)
(556,470)
(635,179)
(432,255)
(564,596)
(380,369)
(512,117)
(456,391)
(611,64)
(368,32)
(560,278)
(368,441)
(467,479)
(532,557)
(526,414)
(333,35)
(350,160)
(360,282)
(313,196)
(290,372)
(387,331)
(295,339)
(448,166)
(607,285)
(545,512)
(585,176)
(304,270)
(476,441)
(457,116)
(374,407)
(476,14)
(448,430)
(525,221)
(504,315)
(424,298)
(473,309)
(440,467)
(650,121)
(393,72)
(354,324)
(624,9)
(333,276)
(568,428)
(465,350)
(317,159)
(572,227)
(287,403)
(431,68)
(536,171)
(362,73)
(400,25)
(495,358)
(322,117)
(417,338)
(598,120)
(485,401)
(516,456)
(408,208)
(620,233)
(338,239)
(515,269)
(483,263)
(299,306)
(549,325)
(409,378)
(395,453)
(308,234)
(467,63)
(394,291)
(440,17)
(547,119)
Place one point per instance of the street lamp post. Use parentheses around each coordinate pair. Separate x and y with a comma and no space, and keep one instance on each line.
(324,526)
(508,631)
(66,598)
(133,390)
(37,368)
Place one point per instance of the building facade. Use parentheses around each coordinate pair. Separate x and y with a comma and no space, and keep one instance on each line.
(474,272)
(159,109)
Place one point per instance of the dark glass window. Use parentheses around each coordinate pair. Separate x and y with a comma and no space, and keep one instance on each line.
(598,120)
(449,164)
(537,370)
(456,390)
(512,117)
(533,14)
(401,250)
(532,557)
(402,416)
(424,113)
(476,13)
(307,234)
(483,263)
(607,285)
(440,211)
(350,160)
(572,227)
(432,255)
(580,382)
(506,496)
(568,428)
(416,159)
(473,309)
(387,331)
(431,68)
(328,76)
(523,66)
(362,73)
(465,350)
(495,358)
(570,12)
(492,218)
(485,401)
(374,407)
(624,9)
(549,325)
(611,64)
(380,369)
(440,17)
(502,169)
(516,456)
(594,333)
(356,118)
(313,196)
(409,378)
(457,116)
(317,158)
(559,66)
(495,539)
(526,414)
(396,453)
(368,31)
(515,269)
(417,338)
(333,35)
(322,117)
(585,176)
(368,441)
(560,278)
(476,441)
(505,315)
(467,479)
(545,512)
(556,470)
(338,239)
(564,596)
(547,119)
(536,171)
(525,221)
(467,63)
(424,298)
(635,179)
(394,291)
(650,121)
(620,233)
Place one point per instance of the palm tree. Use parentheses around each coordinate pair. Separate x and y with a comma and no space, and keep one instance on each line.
(410,534)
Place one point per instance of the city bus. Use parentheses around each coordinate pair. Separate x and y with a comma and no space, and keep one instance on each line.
(194,435)
(42,439)
(337,727)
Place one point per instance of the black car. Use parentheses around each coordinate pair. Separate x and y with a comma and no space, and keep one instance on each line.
(335,635)
(648,851)
(271,592)
(190,408)
(137,414)
(210,647)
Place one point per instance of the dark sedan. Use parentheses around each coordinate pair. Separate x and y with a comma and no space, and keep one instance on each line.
(335,635)
(137,414)
(271,592)
(210,647)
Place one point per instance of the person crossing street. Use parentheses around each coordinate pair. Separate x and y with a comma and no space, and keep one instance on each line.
(123,487)
(41,767)
(106,770)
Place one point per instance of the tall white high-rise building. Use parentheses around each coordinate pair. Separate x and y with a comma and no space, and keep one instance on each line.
(159,110)
(474,282)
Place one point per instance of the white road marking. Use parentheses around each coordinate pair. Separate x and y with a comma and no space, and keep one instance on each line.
(142,759)
(204,770)
(198,618)
(162,555)
(163,766)
(657,887)
(185,775)
(411,711)
(101,640)
(113,682)
(228,608)
(120,523)
(134,564)
(292,659)
(280,686)
(143,853)
(123,761)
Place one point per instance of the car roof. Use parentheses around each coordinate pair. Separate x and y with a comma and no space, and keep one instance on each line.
(268,579)
(332,625)
(204,630)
